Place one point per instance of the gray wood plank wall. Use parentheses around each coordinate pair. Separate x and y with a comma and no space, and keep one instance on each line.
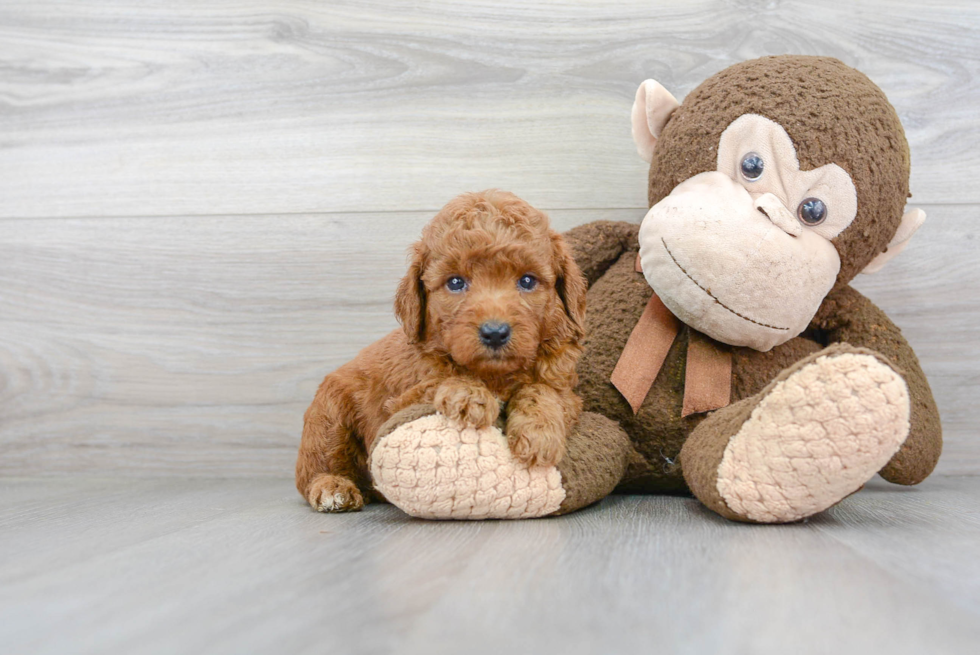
(204,206)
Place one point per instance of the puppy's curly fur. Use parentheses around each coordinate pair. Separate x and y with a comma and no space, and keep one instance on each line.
(486,259)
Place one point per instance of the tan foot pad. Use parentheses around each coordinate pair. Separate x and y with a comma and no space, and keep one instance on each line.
(815,438)
(430,469)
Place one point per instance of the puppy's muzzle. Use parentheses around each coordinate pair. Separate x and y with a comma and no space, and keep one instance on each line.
(494,334)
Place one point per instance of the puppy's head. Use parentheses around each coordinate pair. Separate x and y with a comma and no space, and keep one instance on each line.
(491,285)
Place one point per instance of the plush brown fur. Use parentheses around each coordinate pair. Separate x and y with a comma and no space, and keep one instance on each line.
(491,239)
(617,296)
(834,114)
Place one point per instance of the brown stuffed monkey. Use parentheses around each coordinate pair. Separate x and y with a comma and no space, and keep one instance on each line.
(725,354)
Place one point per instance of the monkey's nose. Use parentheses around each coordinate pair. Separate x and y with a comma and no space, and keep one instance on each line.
(776,211)
(495,334)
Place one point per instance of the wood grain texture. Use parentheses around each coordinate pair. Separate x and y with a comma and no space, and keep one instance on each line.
(206,205)
(194,345)
(205,208)
(185,345)
(156,109)
(244,566)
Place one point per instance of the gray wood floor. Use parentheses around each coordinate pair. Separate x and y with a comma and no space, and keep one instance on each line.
(237,566)
(205,208)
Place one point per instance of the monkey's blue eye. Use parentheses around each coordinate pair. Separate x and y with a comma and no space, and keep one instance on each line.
(528,283)
(456,284)
(812,211)
(752,166)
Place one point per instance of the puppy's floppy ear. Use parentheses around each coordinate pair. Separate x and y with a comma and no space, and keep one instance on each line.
(570,285)
(410,297)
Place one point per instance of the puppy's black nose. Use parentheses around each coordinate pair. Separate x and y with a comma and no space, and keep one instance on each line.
(494,334)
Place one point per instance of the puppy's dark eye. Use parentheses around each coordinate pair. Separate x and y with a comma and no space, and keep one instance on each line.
(527,283)
(456,284)
(812,211)
(752,166)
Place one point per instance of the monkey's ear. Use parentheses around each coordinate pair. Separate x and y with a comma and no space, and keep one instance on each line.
(410,297)
(571,287)
(912,220)
(651,110)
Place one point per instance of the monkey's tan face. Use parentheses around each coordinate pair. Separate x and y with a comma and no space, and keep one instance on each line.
(743,254)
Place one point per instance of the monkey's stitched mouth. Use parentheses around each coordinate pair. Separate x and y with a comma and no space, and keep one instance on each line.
(712,296)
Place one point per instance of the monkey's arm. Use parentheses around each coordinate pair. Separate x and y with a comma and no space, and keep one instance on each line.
(597,245)
(849,317)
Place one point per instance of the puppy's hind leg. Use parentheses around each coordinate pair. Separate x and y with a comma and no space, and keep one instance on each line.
(331,461)
(332,493)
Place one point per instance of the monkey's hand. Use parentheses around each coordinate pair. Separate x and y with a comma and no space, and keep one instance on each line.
(466,401)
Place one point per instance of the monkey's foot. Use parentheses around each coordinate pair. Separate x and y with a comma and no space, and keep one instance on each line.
(427,466)
(814,436)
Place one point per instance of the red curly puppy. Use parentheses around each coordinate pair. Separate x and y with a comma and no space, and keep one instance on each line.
(492,312)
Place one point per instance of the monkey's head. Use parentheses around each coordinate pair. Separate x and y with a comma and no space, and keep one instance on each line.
(775,182)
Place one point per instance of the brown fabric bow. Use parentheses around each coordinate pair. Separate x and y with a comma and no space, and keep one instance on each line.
(708,374)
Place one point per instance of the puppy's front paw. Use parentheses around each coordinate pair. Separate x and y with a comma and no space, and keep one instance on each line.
(467,402)
(332,493)
(535,442)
